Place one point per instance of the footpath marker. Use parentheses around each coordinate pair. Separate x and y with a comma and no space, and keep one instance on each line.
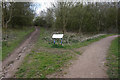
(57,36)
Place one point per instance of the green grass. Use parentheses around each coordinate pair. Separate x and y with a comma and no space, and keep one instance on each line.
(16,36)
(85,43)
(78,52)
(112,59)
(50,44)
(57,46)
(47,58)
(38,65)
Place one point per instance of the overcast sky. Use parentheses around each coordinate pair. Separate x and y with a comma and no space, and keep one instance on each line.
(44,4)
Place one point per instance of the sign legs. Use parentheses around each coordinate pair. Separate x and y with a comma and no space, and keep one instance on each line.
(54,41)
(61,41)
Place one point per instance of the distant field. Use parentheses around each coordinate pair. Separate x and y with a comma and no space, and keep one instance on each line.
(112,59)
(15,37)
(46,58)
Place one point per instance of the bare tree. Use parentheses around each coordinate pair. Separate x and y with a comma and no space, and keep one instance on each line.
(5,20)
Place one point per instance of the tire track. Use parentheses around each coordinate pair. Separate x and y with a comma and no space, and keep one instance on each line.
(11,64)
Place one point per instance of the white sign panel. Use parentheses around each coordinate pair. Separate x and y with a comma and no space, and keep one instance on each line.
(57,36)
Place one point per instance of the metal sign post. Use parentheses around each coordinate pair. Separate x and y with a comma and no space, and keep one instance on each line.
(61,41)
(54,41)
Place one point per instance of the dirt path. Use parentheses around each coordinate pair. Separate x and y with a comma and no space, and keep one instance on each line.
(12,63)
(91,63)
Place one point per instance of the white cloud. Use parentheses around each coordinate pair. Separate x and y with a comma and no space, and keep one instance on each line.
(44,0)
(43,6)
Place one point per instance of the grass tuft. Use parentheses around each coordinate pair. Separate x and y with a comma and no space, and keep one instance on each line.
(57,46)
(15,38)
(112,59)
(38,65)
(47,58)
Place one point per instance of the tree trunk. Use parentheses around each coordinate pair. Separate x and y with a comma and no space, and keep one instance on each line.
(64,27)
(5,23)
(3,17)
(64,24)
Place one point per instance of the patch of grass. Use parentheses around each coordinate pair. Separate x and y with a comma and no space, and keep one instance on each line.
(47,58)
(48,44)
(38,65)
(78,52)
(16,36)
(84,43)
(112,59)
(57,46)
(41,42)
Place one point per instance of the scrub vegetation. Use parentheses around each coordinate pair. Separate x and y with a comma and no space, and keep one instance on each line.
(15,38)
(113,59)
(46,58)
(76,20)
(70,41)
(17,19)
(40,64)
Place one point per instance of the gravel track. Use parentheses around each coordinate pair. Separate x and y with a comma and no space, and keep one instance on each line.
(91,64)
(11,64)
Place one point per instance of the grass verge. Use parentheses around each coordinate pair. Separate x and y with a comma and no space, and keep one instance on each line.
(85,43)
(43,43)
(38,65)
(46,58)
(112,59)
(16,36)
